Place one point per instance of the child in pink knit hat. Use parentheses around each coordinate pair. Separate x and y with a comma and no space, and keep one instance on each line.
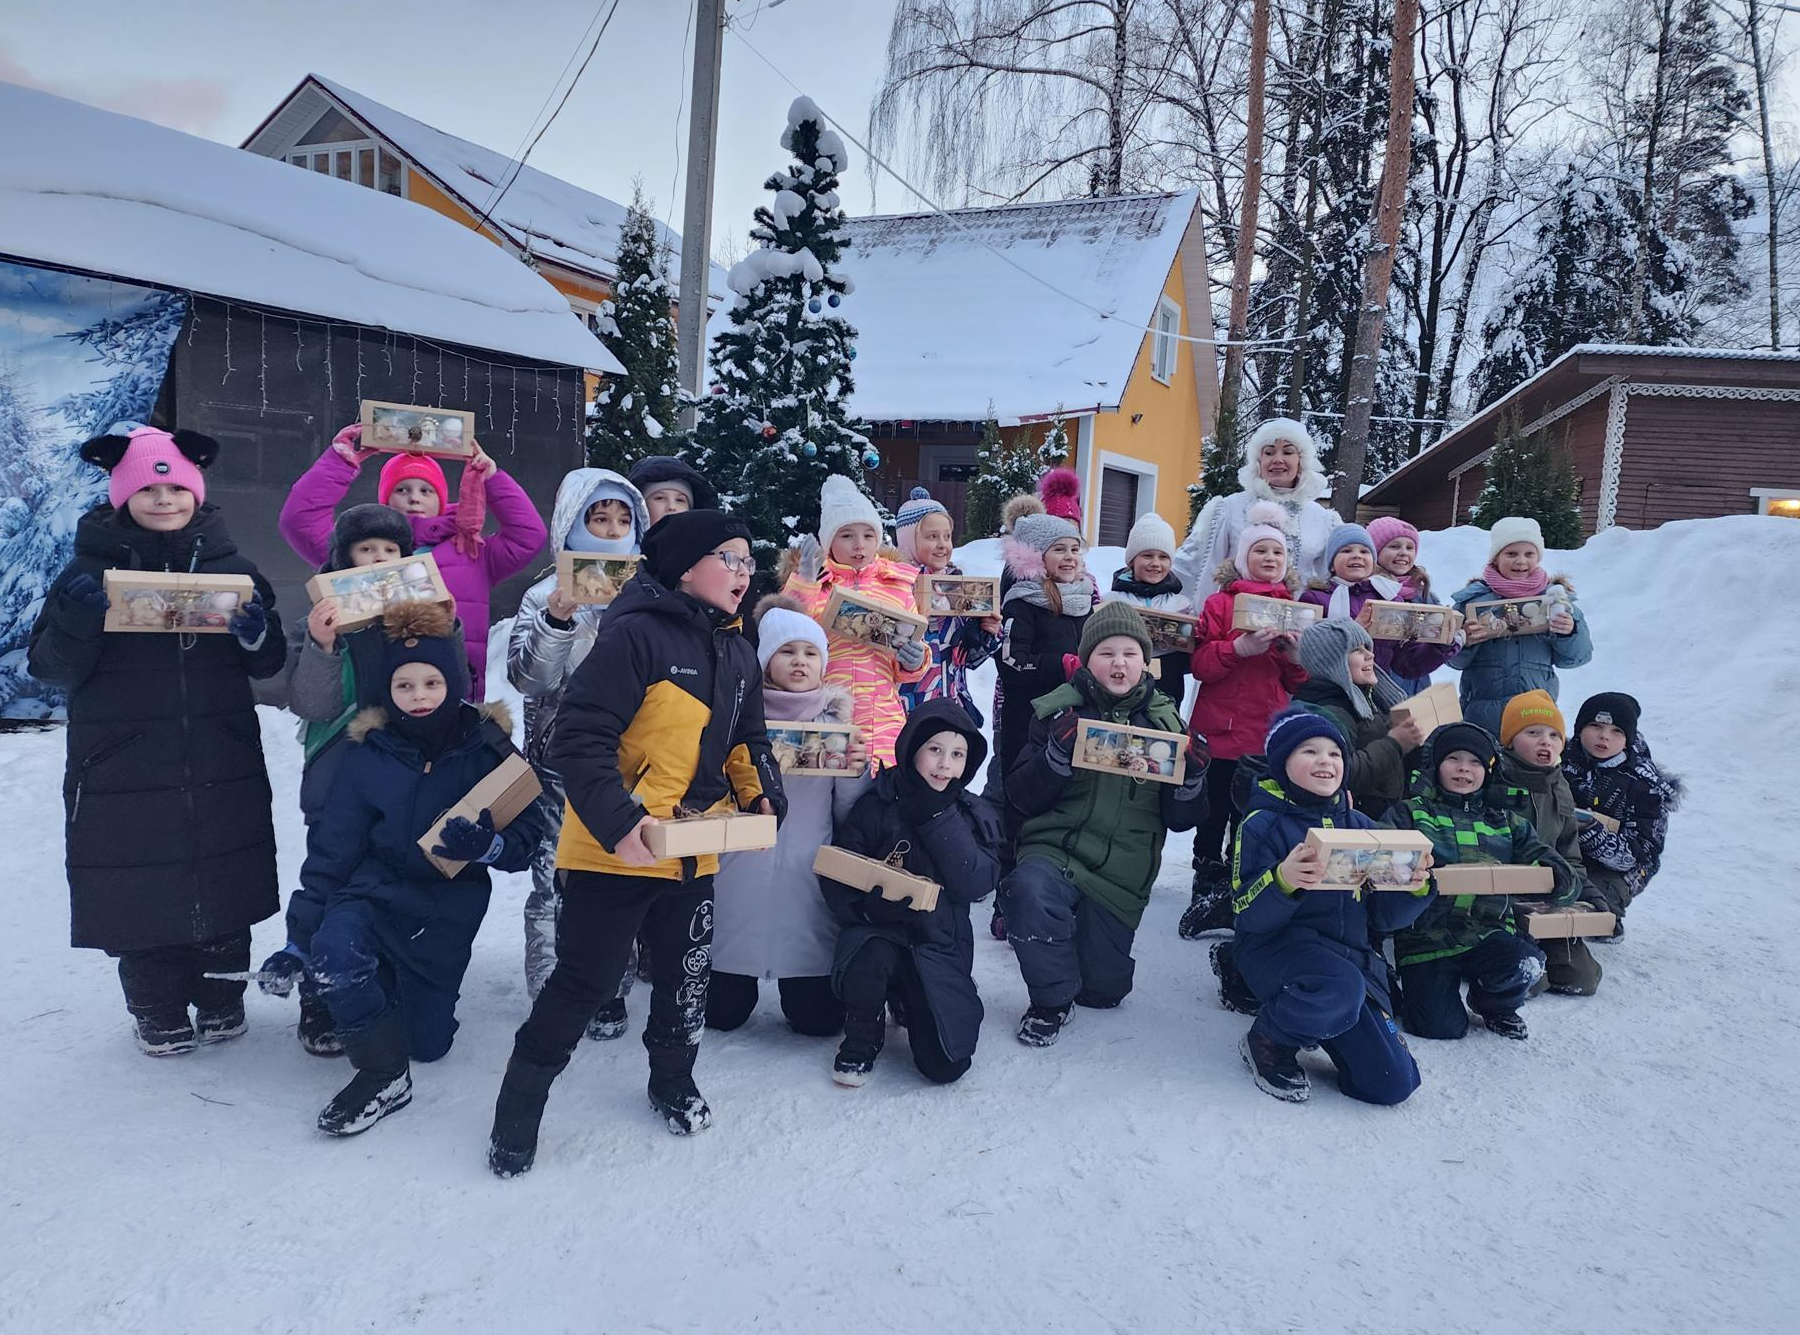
(1396,545)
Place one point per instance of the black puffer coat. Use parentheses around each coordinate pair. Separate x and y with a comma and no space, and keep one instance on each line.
(166,798)
(956,848)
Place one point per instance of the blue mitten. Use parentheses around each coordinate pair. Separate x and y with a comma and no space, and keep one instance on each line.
(465,840)
(250,623)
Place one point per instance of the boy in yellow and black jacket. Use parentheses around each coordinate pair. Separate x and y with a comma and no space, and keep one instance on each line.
(664,713)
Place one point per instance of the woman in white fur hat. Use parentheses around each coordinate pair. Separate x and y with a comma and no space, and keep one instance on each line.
(1281,464)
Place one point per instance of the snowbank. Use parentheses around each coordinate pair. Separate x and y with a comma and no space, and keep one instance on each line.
(1628,1169)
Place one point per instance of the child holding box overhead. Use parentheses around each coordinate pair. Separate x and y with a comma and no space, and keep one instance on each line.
(666,712)
(1474,939)
(1306,953)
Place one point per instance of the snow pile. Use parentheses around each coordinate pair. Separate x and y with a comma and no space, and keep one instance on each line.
(1630,1168)
(954,311)
(91,190)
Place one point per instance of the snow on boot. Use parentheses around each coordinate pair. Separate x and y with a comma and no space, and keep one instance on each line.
(1277,1069)
(165,1036)
(383,1080)
(864,1035)
(609,1021)
(1234,992)
(1210,909)
(997,925)
(512,1144)
(317,1031)
(1040,1026)
(678,1100)
(220,1026)
(1507,1024)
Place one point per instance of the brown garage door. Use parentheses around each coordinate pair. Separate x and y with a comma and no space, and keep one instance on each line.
(1118,506)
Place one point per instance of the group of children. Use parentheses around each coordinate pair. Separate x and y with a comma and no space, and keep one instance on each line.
(656,706)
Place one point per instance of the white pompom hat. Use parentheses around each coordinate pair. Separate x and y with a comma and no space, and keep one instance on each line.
(1514,528)
(841,502)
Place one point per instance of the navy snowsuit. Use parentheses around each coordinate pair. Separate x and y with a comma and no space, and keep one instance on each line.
(380,924)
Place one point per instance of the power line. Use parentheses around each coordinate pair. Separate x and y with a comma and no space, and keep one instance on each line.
(519,166)
(943,213)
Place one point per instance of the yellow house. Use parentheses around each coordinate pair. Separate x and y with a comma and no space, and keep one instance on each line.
(568,235)
(1091,309)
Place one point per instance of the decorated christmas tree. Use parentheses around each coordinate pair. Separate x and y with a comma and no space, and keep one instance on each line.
(1530,476)
(775,424)
(633,413)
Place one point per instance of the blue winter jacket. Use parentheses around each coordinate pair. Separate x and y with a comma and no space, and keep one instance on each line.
(1494,671)
(1275,922)
(385,796)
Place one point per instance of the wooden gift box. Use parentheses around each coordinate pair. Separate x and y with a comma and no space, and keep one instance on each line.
(811,749)
(1170,632)
(1482,878)
(958,595)
(171,603)
(1384,859)
(508,789)
(1514,616)
(891,881)
(1253,611)
(1432,707)
(593,579)
(871,621)
(720,832)
(1425,622)
(387,427)
(1131,753)
(1546,923)
(364,593)
(1599,818)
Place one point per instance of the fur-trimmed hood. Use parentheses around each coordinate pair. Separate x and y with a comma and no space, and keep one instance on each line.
(368,720)
(1228,574)
(1313,483)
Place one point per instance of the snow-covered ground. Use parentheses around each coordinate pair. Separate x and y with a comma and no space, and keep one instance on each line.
(1630,1169)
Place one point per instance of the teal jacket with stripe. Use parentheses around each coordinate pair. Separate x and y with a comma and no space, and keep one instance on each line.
(1482,827)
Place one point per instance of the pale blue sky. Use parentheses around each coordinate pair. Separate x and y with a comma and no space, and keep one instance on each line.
(477,69)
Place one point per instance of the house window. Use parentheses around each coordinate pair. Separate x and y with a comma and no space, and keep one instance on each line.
(1164,341)
(1783,502)
(336,146)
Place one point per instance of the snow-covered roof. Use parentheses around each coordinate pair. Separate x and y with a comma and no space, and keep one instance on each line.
(1710,354)
(92,190)
(950,312)
(542,214)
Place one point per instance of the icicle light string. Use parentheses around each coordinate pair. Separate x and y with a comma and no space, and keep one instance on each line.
(1005,259)
(413,393)
(262,368)
(229,368)
(330,380)
(512,443)
(298,337)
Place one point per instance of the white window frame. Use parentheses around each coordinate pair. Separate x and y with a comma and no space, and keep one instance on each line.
(1165,342)
(353,147)
(1147,474)
(1764,495)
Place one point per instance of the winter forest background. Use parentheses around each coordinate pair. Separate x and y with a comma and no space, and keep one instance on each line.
(1601,173)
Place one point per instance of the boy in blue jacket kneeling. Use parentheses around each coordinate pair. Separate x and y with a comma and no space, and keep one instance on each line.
(1306,953)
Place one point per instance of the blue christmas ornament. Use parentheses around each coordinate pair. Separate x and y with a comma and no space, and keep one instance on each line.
(834,300)
(852,354)
(809,449)
(871,458)
(814,306)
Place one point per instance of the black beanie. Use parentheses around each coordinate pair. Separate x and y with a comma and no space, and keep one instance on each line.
(360,523)
(1614,707)
(1464,736)
(677,542)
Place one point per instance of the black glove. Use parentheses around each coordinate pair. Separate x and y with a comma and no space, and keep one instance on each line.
(884,912)
(85,595)
(1059,748)
(1199,755)
(465,840)
(250,622)
(280,972)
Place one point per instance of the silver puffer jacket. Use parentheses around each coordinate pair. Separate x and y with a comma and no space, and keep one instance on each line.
(540,657)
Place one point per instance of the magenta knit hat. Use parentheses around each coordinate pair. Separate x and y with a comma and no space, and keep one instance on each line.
(150,456)
(404,466)
(1385,528)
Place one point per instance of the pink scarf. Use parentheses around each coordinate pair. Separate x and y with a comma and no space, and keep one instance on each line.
(792,706)
(1529,587)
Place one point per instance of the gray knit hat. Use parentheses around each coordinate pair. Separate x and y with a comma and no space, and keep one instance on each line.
(1042,532)
(1325,652)
(1114,617)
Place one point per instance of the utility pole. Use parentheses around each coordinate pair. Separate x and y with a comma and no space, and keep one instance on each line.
(696,215)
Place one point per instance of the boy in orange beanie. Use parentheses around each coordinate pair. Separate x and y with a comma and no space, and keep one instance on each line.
(1532,734)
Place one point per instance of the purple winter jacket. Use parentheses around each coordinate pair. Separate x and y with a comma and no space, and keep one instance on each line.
(1400,660)
(308,517)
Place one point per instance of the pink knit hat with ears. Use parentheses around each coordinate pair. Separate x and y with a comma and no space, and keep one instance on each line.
(1383,529)
(137,456)
(1262,521)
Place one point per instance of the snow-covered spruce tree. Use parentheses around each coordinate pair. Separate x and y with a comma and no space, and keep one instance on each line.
(987,492)
(634,413)
(1054,452)
(775,424)
(1530,476)
(1575,285)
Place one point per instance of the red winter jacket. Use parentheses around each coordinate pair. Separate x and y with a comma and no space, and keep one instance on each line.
(1238,696)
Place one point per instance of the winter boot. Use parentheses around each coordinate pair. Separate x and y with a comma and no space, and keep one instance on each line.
(1095,1002)
(220,1026)
(1209,910)
(1040,1026)
(1234,992)
(1507,1024)
(997,924)
(512,1145)
(383,1080)
(165,1035)
(609,1021)
(864,1035)
(317,1030)
(1276,1068)
(678,1100)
